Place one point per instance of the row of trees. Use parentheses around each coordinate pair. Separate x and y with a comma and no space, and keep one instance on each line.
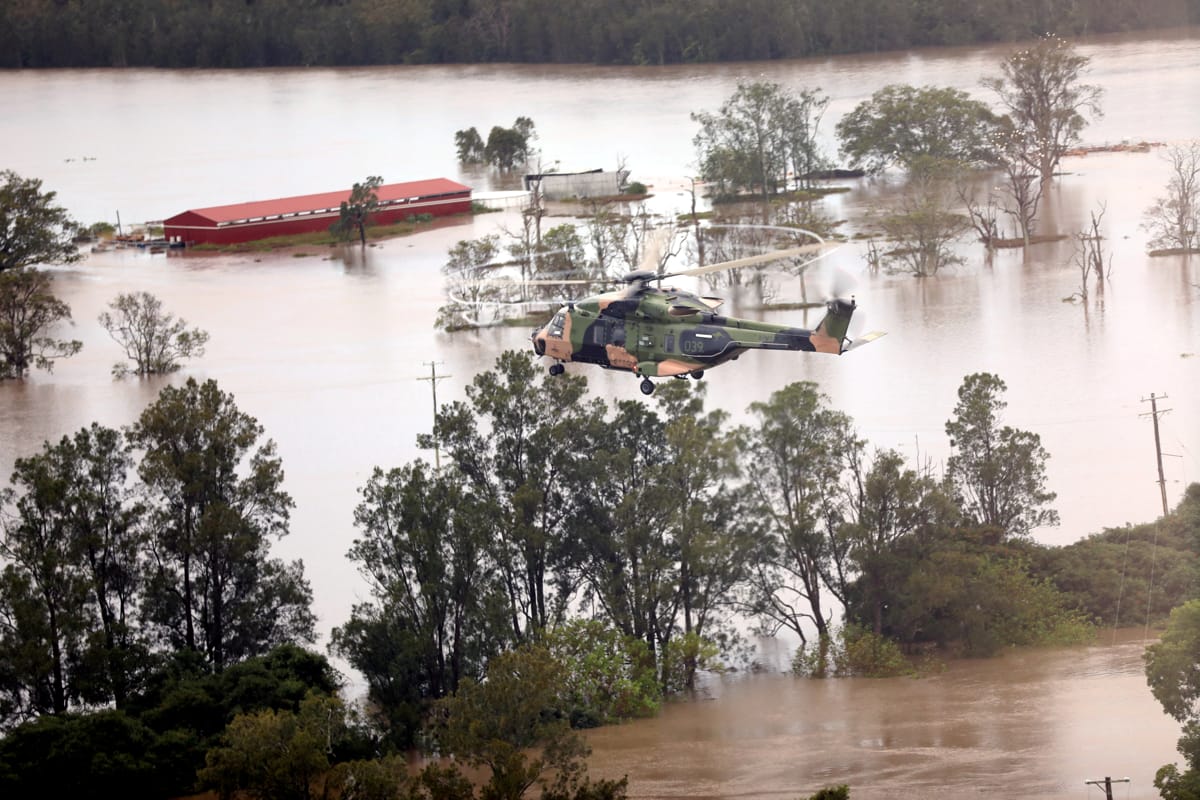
(505,147)
(263,33)
(585,559)
(121,546)
(763,141)
(938,137)
(665,525)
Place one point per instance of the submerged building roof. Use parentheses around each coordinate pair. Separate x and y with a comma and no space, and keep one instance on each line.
(325,201)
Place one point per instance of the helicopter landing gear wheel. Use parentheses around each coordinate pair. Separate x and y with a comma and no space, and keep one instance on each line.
(557,369)
(697,374)
(647,386)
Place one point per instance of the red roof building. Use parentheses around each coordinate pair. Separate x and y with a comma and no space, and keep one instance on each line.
(262,219)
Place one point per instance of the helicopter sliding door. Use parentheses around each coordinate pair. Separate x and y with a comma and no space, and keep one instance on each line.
(601,338)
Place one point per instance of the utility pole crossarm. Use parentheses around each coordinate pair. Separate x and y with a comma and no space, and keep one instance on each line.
(1107,782)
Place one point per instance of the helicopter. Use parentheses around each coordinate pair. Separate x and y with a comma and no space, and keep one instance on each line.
(657,332)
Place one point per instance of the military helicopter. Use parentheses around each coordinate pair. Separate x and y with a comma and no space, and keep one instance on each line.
(658,332)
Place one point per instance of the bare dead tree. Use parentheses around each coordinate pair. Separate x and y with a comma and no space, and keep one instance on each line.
(984,216)
(1090,257)
(1173,221)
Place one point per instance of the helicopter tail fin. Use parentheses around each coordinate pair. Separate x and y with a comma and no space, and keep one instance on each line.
(830,335)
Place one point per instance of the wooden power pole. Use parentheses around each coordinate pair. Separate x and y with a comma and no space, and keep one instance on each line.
(433,379)
(1108,782)
(1154,412)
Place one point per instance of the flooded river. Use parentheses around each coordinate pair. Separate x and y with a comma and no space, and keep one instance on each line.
(325,349)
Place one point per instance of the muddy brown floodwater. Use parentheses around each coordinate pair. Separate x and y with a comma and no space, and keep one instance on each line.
(1034,723)
(325,348)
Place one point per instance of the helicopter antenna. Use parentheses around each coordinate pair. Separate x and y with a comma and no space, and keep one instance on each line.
(433,379)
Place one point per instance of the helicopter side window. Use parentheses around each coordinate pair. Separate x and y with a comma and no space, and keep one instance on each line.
(555,328)
(669,343)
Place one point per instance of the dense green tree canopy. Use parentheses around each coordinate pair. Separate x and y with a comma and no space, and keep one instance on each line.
(998,473)
(902,124)
(760,135)
(33,230)
(217,501)
(264,33)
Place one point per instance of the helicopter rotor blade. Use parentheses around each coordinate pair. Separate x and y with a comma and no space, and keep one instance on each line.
(749,261)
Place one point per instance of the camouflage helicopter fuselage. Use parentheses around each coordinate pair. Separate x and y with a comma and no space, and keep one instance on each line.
(656,333)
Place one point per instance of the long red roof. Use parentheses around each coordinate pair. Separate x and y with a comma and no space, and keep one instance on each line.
(332,200)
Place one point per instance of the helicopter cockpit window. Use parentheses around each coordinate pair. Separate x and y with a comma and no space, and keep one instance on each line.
(555,328)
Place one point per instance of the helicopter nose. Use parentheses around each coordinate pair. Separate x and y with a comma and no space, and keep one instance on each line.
(539,342)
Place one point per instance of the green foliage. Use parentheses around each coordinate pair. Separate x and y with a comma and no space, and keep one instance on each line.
(997,474)
(217,501)
(1175,683)
(154,746)
(70,533)
(275,755)
(153,339)
(355,212)
(800,448)
(961,589)
(469,145)
(903,124)
(609,677)
(1132,574)
(468,269)
(494,723)
(636,188)
(102,754)
(1040,87)
(683,657)
(515,442)
(921,222)
(436,615)
(32,229)
(1170,664)
(508,147)
(28,311)
(851,652)
(761,133)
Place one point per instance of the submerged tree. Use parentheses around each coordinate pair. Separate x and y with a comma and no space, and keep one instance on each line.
(1041,89)
(469,145)
(153,339)
(760,133)
(922,223)
(905,125)
(356,210)
(1173,221)
(29,311)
